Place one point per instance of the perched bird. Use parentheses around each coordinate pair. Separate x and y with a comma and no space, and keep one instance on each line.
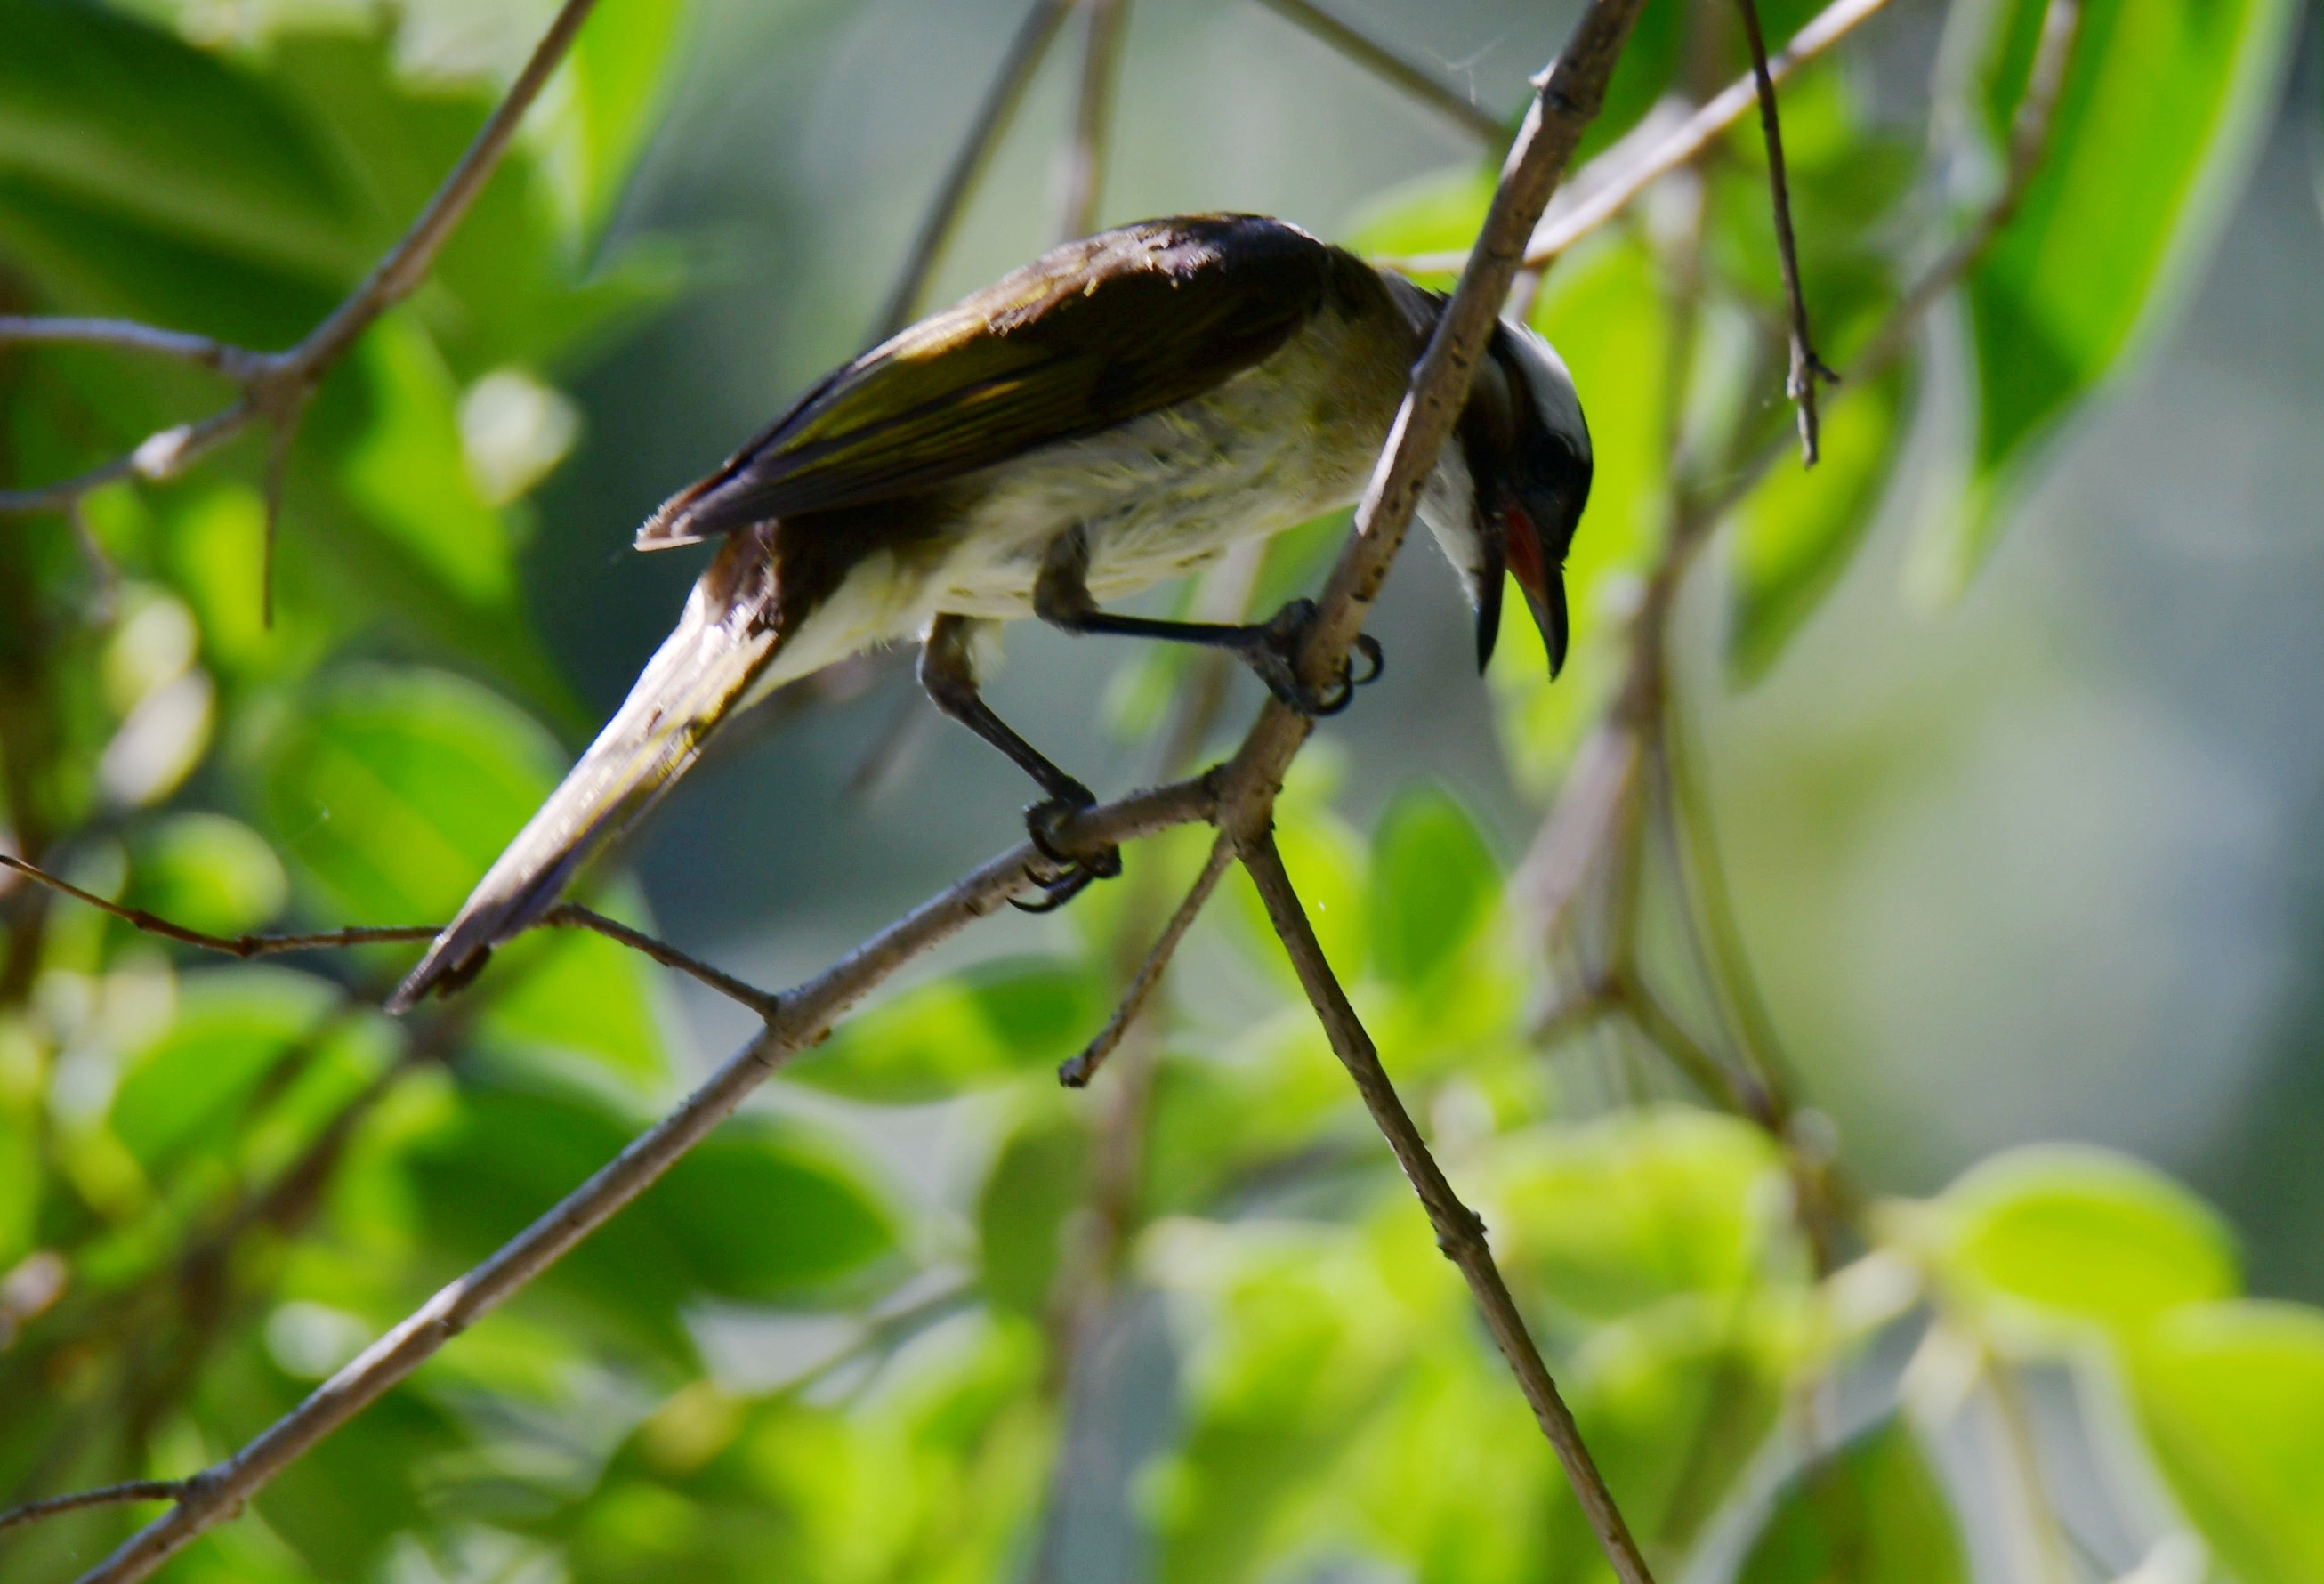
(1117,413)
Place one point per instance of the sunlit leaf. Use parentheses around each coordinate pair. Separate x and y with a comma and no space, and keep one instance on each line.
(392,791)
(208,873)
(997,1021)
(1609,1216)
(2056,1233)
(2160,119)
(2231,1399)
(1871,1510)
(232,1026)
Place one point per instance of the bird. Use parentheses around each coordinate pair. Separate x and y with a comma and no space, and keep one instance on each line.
(1114,414)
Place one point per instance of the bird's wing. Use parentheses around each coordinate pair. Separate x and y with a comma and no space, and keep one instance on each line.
(1084,338)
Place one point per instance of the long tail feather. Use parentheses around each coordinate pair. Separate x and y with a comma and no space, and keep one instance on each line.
(692,683)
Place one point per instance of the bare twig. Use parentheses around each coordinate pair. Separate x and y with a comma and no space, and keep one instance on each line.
(1568,97)
(275,386)
(1077,1072)
(1607,185)
(1460,1232)
(1806,368)
(127,335)
(1392,69)
(242,946)
(805,1016)
(573,915)
(134,1490)
(1026,51)
(1082,190)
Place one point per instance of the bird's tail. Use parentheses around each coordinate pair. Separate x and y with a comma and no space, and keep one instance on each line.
(724,641)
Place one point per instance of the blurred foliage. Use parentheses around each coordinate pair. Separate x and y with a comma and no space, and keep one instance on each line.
(219,1182)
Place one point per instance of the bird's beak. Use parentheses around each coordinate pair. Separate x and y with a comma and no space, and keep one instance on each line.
(1543,583)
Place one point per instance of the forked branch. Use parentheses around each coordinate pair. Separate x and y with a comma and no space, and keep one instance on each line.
(1239,796)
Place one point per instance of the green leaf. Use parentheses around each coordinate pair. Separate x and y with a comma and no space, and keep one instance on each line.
(1871,1510)
(2061,1232)
(117,114)
(407,472)
(2231,1399)
(569,990)
(760,1211)
(1608,1217)
(1433,882)
(391,790)
(1800,528)
(996,1021)
(616,79)
(208,873)
(232,1026)
(1035,1185)
(2154,133)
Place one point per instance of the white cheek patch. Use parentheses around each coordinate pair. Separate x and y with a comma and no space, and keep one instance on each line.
(1448,505)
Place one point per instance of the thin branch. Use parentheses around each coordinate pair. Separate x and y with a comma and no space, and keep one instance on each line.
(1083,189)
(1018,67)
(1077,1072)
(135,1490)
(805,1016)
(275,386)
(573,915)
(127,335)
(1392,69)
(1806,367)
(1460,1232)
(242,946)
(1608,184)
(1568,98)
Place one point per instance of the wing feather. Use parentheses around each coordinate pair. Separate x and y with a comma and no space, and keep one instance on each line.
(1092,334)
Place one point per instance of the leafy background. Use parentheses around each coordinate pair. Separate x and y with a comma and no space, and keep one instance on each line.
(2006,715)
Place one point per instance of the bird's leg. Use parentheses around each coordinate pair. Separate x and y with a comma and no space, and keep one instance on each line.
(948,674)
(1061,598)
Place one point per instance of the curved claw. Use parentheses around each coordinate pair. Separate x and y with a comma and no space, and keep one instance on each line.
(1285,634)
(1080,873)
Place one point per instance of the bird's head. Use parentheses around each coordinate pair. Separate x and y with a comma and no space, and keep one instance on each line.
(1510,486)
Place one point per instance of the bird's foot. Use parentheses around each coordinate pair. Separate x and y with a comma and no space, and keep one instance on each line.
(1274,653)
(1042,822)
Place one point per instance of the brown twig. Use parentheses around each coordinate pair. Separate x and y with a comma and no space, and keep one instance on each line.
(1018,67)
(1806,367)
(275,386)
(134,1490)
(1607,185)
(573,915)
(1567,98)
(1460,1232)
(242,946)
(1392,69)
(1077,1072)
(1082,188)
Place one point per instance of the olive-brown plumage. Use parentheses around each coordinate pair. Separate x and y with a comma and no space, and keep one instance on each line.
(1117,413)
